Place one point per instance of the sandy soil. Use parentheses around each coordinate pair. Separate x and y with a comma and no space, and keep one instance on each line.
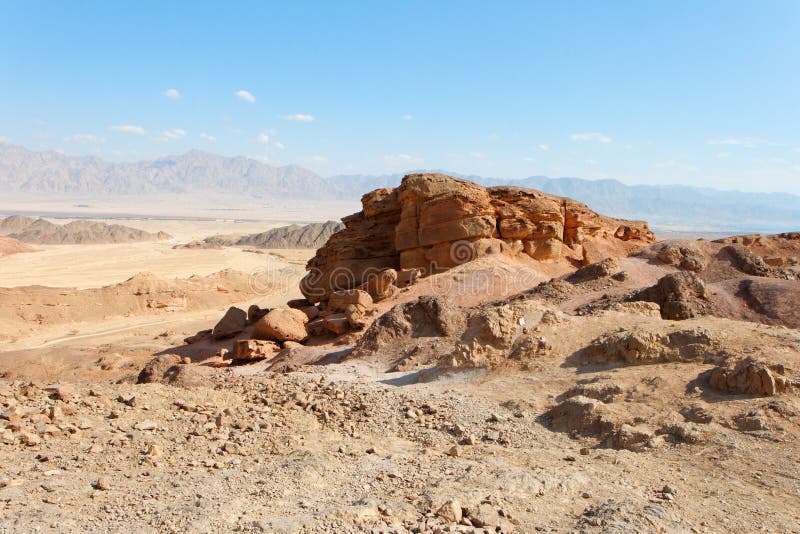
(86,266)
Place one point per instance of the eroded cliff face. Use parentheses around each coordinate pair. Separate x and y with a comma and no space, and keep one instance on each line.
(433,222)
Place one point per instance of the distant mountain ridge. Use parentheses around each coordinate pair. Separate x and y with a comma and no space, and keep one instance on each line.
(25,171)
(196,172)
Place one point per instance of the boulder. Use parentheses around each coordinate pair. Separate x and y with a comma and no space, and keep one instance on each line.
(340,300)
(254,349)
(680,295)
(382,286)
(579,414)
(750,376)
(232,323)
(167,369)
(282,324)
(336,323)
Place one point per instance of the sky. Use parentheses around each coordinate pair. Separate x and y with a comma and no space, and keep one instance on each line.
(691,92)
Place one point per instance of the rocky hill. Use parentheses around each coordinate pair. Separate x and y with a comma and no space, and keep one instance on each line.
(433,222)
(43,232)
(9,246)
(293,236)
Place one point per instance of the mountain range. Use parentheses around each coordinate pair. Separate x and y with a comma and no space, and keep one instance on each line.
(23,171)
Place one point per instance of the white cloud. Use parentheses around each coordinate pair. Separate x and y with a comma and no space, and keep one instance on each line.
(300,117)
(542,148)
(591,136)
(408,117)
(39,122)
(85,139)
(724,155)
(208,137)
(175,133)
(319,159)
(477,155)
(263,139)
(170,135)
(746,142)
(279,145)
(247,96)
(129,129)
(173,94)
(4,139)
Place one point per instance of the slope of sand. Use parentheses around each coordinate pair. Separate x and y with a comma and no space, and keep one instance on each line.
(87,266)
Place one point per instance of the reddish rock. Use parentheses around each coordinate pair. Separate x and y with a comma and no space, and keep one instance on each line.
(434,222)
(254,349)
(340,300)
(233,322)
(282,325)
(336,324)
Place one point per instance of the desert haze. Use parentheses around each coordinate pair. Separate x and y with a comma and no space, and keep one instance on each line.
(419,267)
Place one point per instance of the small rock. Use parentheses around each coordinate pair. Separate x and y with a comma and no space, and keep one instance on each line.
(454,451)
(450,511)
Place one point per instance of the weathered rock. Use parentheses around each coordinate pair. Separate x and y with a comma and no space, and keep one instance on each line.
(686,432)
(282,324)
(340,300)
(594,271)
(381,286)
(751,376)
(426,317)
(433,222)
(640,346)
(633,437)
(199,336)
(254,349)
(336,324)
(356,317)
(254,313)
(683,257)
(602,391)
(680,295)
(579,414)
(450,511)
(166,369)
(747,261)
(155,369)
(232,323)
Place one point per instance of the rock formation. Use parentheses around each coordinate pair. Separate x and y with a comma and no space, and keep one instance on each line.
(433,222)
(43,232)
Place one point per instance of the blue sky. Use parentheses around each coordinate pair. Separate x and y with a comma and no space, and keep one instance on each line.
(691,92)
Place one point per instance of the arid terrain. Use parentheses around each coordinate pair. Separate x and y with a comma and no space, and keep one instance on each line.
(455,359)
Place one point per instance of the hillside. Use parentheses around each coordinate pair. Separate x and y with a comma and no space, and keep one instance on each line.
(43,232)
(293,236)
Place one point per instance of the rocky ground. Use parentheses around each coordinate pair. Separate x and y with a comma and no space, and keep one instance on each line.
(656,391)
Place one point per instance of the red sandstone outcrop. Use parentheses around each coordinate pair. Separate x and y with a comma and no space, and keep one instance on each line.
(433,222)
